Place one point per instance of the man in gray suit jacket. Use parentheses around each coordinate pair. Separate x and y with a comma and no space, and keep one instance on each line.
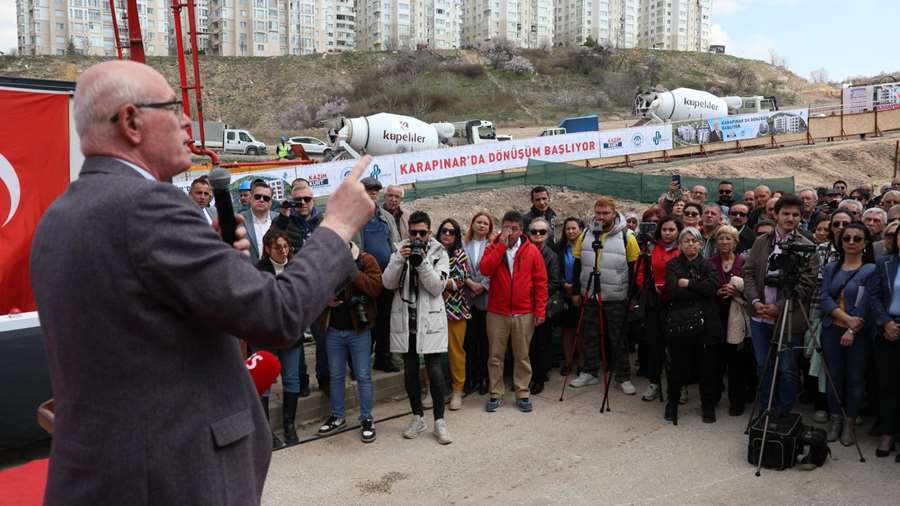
(258,218)
(141,304)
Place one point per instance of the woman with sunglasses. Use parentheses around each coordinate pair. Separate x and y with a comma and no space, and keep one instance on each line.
(477,284)
(277,252)
(457,304)
(885,299)
(539,349)
(663,249)
(846,328)
(570,268)
(691,215)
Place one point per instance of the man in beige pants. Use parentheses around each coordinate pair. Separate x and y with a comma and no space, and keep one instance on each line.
(517,303)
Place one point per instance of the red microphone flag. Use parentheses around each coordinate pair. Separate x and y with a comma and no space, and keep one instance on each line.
(263,367)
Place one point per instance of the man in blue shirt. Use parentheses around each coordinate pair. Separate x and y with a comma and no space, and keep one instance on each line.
(379,238)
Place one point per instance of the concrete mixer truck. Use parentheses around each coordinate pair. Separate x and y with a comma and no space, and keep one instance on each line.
(685,104)
(387,134)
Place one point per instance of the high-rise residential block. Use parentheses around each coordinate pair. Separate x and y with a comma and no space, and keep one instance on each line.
(525,23)
(47,27)
(681,25)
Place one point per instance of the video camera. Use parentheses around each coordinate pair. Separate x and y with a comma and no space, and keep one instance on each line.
(784,268)
(646,231)
(290,204)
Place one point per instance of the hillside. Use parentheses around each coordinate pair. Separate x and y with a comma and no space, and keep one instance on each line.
(532,88)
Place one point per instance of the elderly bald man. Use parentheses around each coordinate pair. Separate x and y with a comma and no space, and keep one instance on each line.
(142,303)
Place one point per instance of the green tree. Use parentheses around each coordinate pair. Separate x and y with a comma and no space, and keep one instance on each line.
(590,42)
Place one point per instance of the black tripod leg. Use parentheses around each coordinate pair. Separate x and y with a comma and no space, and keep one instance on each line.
(785,323)
(759,383)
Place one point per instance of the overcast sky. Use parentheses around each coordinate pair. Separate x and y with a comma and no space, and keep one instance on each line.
(845,37)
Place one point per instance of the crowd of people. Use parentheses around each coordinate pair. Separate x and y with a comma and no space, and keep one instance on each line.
(696,287)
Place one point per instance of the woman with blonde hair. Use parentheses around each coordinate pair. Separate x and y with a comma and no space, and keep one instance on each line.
(477,285)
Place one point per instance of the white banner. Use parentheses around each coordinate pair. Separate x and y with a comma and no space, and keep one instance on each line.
(492,157)
(630,141)
(324,178)
(740,127)
(875,96)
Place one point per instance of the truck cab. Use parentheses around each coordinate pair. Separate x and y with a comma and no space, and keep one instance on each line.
(242,141)
(757,104)
(473,131)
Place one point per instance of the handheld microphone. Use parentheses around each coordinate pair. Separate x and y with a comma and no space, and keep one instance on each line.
(264,368)
(220,179)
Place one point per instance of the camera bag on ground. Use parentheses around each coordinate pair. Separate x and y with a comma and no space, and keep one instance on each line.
(782,441)
(813,450)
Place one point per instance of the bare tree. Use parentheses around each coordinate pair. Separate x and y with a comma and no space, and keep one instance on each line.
(776,59)
(819,76)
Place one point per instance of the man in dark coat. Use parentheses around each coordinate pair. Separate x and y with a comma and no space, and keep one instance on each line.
(141,306)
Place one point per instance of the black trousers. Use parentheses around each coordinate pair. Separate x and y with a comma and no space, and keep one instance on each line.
(381,331)
(434,369)
(741,370)
(476,347)
(651,345)
(887,366)
(685,353)
(539,352)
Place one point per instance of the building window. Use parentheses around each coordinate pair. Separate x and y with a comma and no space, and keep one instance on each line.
(260,47)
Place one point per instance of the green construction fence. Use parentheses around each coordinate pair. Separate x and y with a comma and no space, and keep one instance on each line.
(619,184)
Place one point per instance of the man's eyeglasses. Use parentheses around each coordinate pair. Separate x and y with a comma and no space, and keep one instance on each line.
(172,105)
(738,213)
(418,233)
(260,196)
(538,231)
(305,200)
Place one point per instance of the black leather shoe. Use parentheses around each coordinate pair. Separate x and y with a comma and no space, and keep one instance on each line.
(536,388)
(483,388)
(671,414)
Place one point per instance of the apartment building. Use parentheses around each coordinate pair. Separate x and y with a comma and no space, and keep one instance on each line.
(613,23)
(681,25)
(47,27)
(525,23)
(280,27)
(436,23)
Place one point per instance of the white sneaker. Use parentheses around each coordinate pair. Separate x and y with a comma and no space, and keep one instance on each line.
(652,392)
(684,396)
(416,427)
(456,401)
(441,432)
(627,388)
(584,379)
(427,403)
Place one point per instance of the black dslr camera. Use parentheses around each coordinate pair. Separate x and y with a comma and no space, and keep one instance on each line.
(358,303)
(784,268)
(418,249)
(290,204)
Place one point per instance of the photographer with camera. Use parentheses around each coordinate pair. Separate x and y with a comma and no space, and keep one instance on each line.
(348,319)
(777,261)
(692,327)
(418,272)
(660,250)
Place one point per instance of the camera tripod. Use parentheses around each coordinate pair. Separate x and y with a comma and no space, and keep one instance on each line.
(785,319)
(593,288)
(657,351)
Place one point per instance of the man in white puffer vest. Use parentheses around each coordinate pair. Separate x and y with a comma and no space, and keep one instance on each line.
(608,238)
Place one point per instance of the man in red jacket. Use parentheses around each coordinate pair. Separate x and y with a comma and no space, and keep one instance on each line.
(516,304)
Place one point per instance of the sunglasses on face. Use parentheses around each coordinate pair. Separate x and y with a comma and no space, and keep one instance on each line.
(726,192)
(305,200)
(260,196)
(418,233)
(853,238)
(538,231)
(692,214)
(839,224)
(737,213)
(448,231)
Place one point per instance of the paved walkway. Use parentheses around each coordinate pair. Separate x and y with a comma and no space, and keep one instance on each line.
(566,453)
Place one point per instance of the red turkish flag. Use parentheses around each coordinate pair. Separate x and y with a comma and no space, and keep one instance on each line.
(34,170)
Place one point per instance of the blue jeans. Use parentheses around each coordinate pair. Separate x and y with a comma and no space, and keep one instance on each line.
(847,365)
(321,352)
(291,368)
(788,366)
(359,346)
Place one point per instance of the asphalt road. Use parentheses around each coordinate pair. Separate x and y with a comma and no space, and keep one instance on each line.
(567,452)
